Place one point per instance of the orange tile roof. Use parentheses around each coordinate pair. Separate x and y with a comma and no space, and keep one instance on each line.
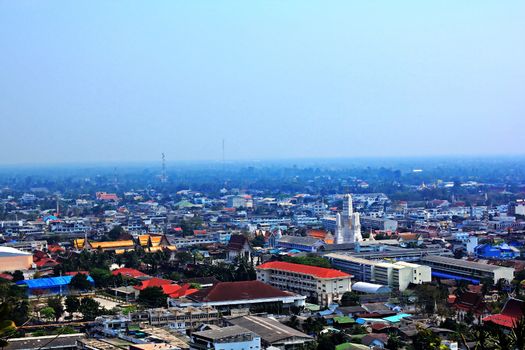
(319,272)
(112,244)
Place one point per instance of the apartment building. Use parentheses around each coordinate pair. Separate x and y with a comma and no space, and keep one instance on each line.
(396,275)
(321,284)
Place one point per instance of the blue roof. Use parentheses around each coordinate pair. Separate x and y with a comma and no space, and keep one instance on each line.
(454,277)
(396,318)
(49,282)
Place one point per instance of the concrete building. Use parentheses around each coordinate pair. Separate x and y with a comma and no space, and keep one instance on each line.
(373,223)
(12,259)
(398,275)
(179,319)
(226,338)
(443,267)
(247,295)
(321,284)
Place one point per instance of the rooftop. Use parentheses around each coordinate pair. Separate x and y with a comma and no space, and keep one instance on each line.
(319,272)
(222,333)
(461,263)
(244,290)
(270,330)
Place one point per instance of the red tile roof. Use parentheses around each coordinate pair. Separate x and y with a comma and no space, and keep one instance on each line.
(244,290)
(154,282)
(510,315)
(319,272)
(45,262)
(127,272)
(237,242)
(176,291)
(6,276)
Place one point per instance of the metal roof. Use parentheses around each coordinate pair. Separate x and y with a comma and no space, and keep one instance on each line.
(270,330)
(462,263)
(50,282)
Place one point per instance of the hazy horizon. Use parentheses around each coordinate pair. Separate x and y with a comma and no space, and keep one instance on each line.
(119,82)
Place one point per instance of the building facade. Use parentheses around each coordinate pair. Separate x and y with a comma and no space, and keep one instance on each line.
(321,284)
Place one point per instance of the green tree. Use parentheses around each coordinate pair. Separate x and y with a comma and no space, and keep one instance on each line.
(80,282)
(325,342)
(89,308)
(313,325)
(18,276)
(72,304)
(394,342)
(7,329)
(350,299)
(102,277)
(152,297)
(116,233)
(56,304)
(47,313)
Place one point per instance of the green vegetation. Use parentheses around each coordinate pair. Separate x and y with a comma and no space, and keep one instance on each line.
(310,259)
(56,304)
(80,282)
(152,297)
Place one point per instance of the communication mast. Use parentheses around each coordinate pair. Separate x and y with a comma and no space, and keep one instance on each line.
(163,176)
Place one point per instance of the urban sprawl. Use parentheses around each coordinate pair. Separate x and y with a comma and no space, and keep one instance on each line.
(314,259)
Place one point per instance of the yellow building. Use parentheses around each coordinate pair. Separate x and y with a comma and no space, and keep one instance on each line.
(154,243)
(115,246)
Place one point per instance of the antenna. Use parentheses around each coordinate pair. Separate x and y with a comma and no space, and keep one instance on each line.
(223,158)
(163,176)
(115,178)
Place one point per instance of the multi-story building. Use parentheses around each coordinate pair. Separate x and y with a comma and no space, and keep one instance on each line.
(226,338)
(321,284)
(398,275)
(451,268)
(179,319)
(373,223)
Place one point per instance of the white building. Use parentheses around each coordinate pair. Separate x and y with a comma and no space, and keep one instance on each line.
(322,284)
(348,225)
(396,275)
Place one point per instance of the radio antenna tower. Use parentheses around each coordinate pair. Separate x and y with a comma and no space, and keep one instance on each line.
(163,176)
(223,157)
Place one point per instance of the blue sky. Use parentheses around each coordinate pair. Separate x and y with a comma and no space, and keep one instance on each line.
(90,81)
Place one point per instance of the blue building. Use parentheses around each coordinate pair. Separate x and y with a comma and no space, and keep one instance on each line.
(50,285)
(496,252)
